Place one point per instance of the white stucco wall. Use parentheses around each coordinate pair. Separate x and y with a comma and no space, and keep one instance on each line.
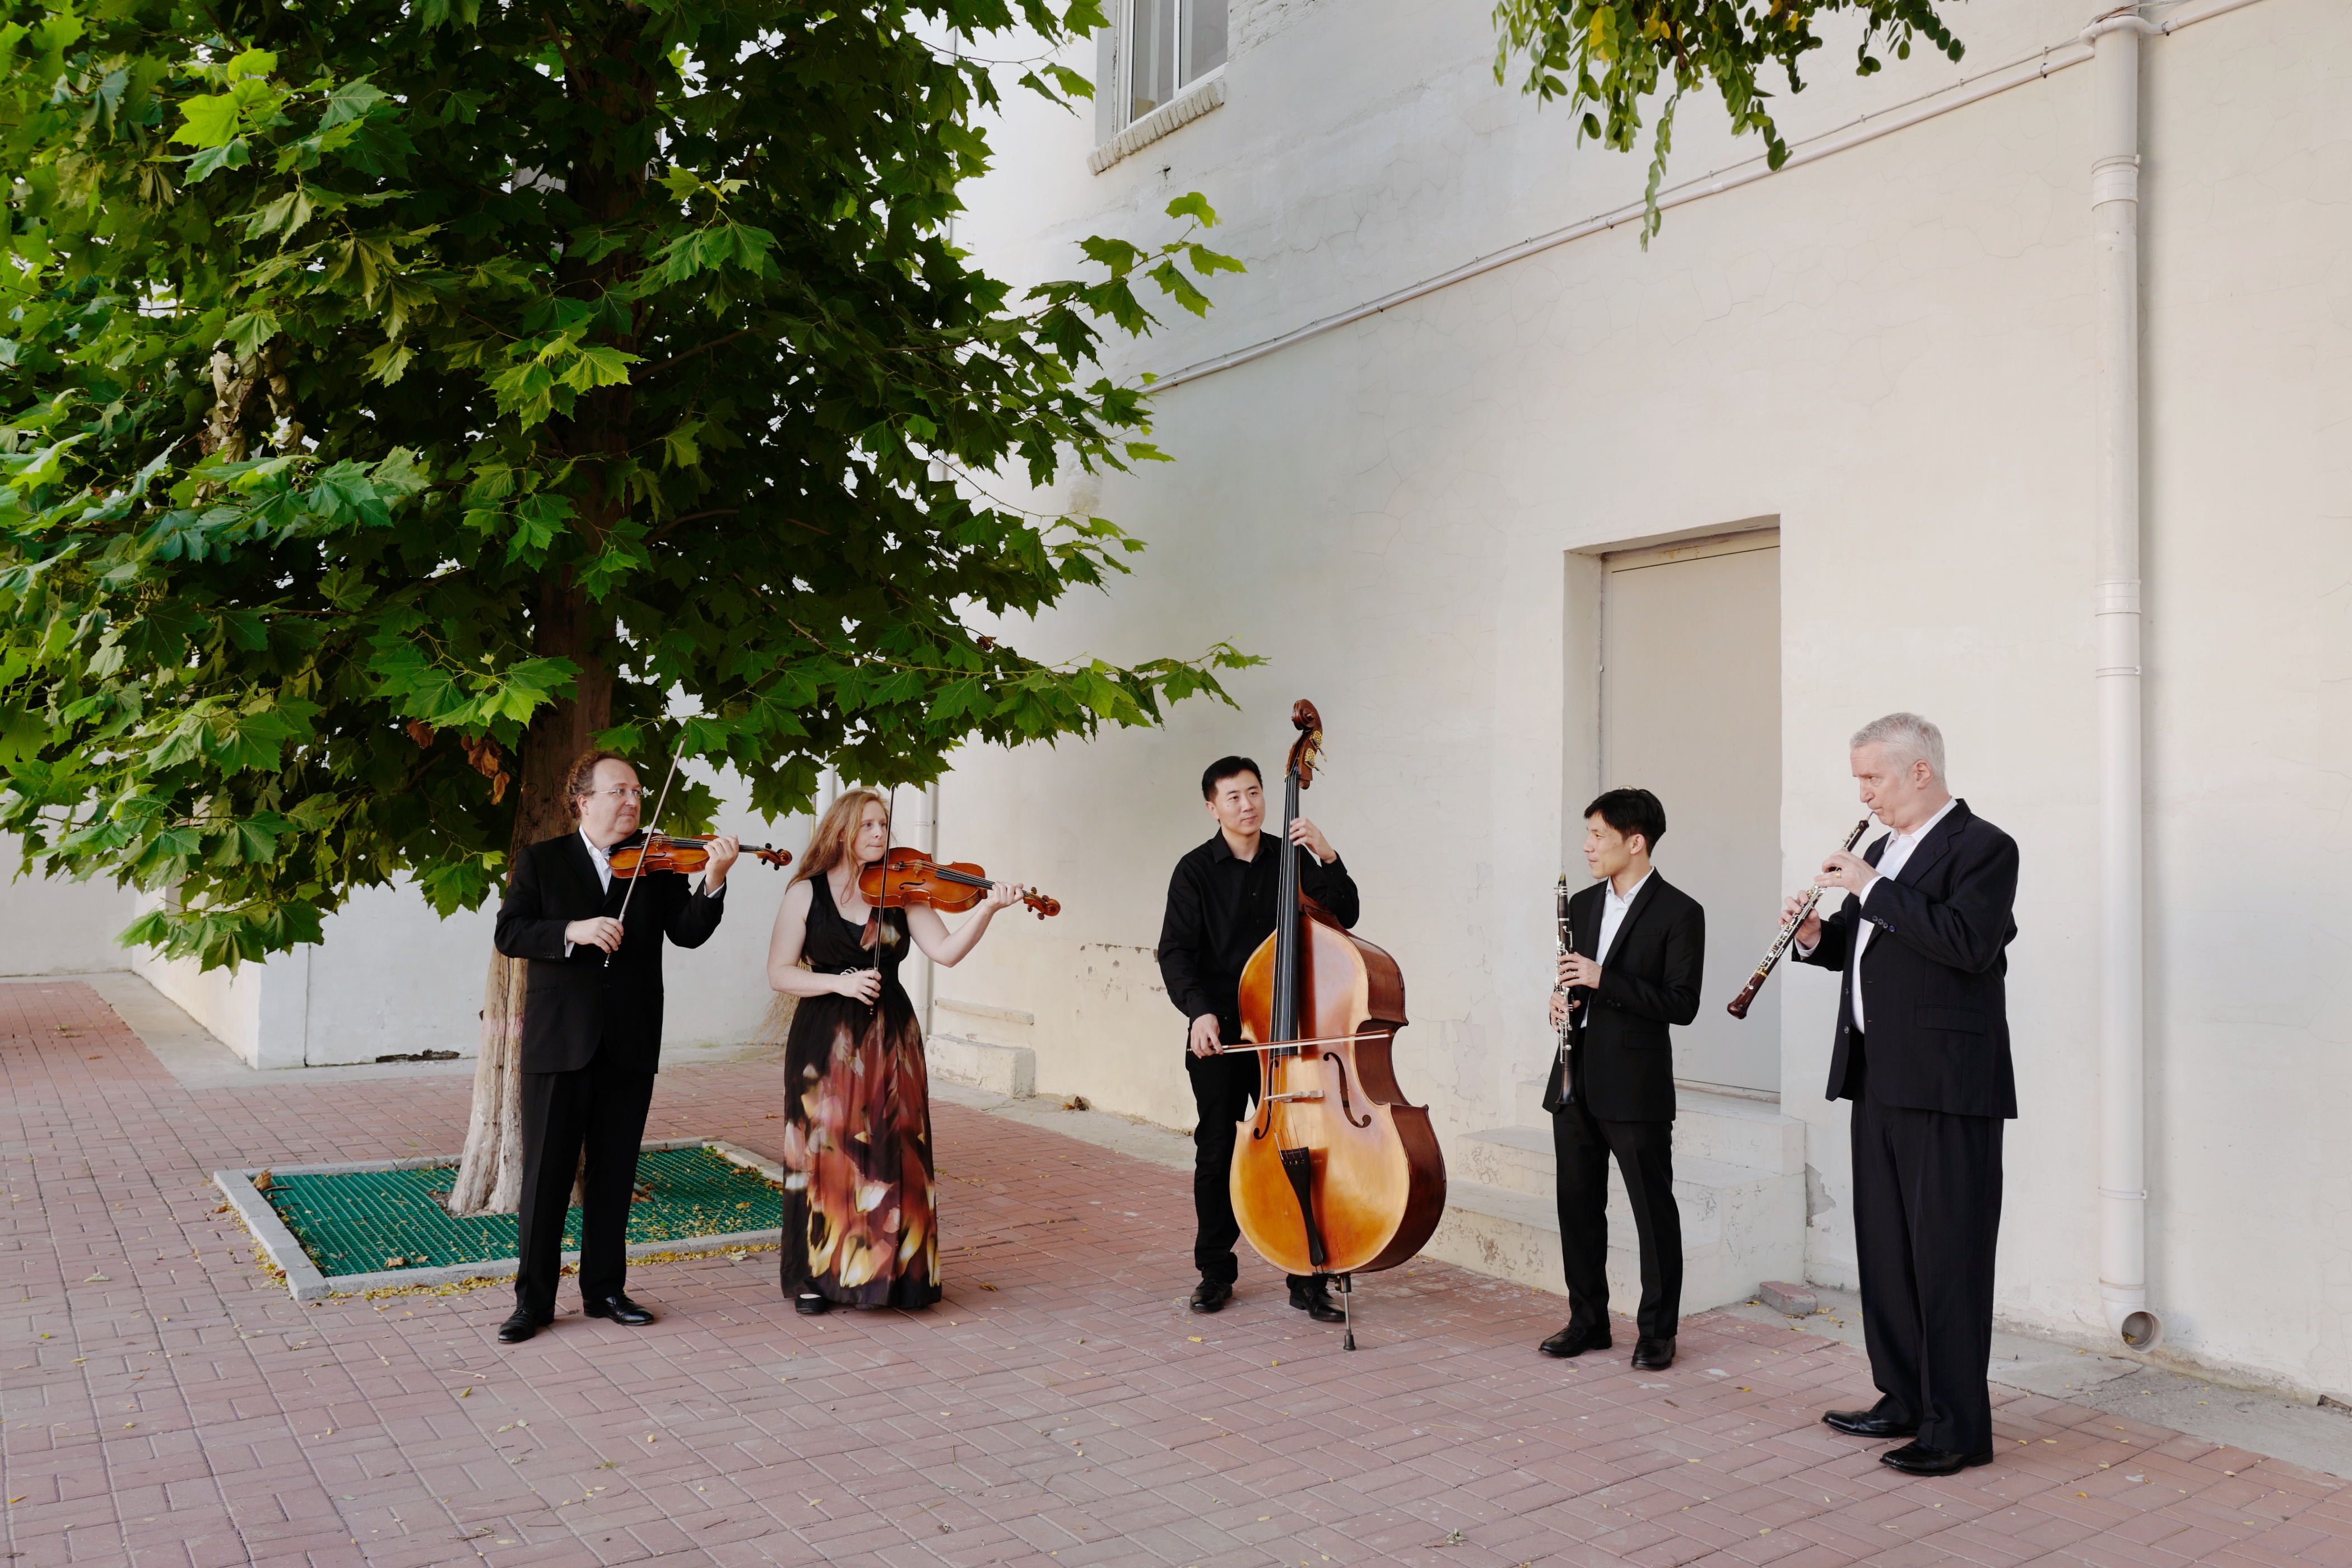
(391,977)
(66,927)
(1888,352)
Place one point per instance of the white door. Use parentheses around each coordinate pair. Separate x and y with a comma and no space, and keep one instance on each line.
(1690,710)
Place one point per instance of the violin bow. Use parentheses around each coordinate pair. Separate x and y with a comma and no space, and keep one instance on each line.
(651,833)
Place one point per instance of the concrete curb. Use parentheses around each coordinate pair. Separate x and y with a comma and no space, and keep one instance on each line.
(307,1283)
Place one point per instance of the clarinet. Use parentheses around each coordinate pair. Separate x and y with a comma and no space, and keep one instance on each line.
(1565,940)
(1737,1005)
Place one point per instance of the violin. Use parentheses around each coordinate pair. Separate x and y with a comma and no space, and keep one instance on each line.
(906,875)
(1333,1173)
(660,851)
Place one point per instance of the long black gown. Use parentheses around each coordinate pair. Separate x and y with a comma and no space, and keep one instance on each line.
(859,1226)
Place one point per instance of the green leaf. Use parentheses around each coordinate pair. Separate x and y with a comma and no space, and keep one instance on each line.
(349,101)
(231,155)
(1194,205)
(209,121)
(248,332)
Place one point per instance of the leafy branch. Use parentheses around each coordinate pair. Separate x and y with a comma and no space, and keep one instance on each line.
(1606,55)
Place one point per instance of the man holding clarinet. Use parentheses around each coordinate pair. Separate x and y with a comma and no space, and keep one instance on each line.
(1922,1050)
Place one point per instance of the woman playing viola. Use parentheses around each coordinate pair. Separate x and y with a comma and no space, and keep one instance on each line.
(859,1226)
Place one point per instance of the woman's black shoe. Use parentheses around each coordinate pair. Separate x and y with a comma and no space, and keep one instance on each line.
(810,1306)
(1211,1296)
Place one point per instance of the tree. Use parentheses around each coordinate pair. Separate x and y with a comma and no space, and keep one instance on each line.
(1617,52)
(403,395)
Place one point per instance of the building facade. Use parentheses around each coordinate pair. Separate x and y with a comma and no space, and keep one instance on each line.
(1529,511)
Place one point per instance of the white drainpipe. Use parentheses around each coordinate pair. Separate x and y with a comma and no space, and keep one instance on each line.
(2123,1040)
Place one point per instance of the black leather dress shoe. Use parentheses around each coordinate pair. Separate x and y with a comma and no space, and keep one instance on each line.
(620,1309)
(811,1305)
(1868,1424)
(1315,1302)
(1211,1296)
(1574,1340)
(521,1326)
(1653,1355)
(1918,1459)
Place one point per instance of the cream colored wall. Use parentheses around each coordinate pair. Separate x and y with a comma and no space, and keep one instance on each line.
(391,977)
(67,927)
(1888,350)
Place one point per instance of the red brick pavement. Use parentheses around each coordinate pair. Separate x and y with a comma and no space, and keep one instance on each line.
(165,1403)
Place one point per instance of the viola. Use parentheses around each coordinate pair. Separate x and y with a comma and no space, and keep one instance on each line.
(906,876)
(660,851)
(1333,1173)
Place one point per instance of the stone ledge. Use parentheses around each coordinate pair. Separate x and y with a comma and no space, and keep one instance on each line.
(1007,1069)
(1182,109)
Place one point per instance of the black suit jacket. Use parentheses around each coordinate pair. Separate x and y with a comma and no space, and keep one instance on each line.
(1623,1064)
(1934,978)
(577,1005)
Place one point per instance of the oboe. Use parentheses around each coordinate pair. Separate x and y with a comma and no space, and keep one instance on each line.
(1738,1008)
(1566,939)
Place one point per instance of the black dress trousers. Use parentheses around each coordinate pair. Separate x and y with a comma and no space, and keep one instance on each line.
(600,1109)
(1581,1144)
(1223,1087)
(1926,1213)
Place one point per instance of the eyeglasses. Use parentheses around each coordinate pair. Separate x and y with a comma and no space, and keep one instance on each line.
(622,793)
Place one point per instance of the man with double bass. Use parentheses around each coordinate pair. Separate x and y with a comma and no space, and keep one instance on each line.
(1221,906)
(1921,951)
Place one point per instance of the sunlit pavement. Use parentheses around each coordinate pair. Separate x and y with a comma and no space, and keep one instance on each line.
(165,1402)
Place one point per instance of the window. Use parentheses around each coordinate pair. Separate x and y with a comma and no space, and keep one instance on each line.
(1171,43)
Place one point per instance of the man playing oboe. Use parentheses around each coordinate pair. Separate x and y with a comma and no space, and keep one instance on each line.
(1922,1052)
(1641,947)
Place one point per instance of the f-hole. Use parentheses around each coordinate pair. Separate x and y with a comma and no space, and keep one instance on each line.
(1339,1065)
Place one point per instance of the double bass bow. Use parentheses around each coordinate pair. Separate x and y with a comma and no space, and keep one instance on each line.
(1333,1174)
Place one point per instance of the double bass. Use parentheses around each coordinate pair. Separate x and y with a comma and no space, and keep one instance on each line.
(1333,1173)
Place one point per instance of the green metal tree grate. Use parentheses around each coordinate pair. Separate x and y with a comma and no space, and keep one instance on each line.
(363,1222)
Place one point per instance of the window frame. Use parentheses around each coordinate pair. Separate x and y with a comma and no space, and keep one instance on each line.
(1174,43)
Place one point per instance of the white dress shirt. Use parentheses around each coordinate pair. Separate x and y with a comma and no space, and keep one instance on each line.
(1897,855)
(603,860)
(1613,913)
(1612,916)
(602,856)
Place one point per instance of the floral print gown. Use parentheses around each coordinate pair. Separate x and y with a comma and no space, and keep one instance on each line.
(860,1229)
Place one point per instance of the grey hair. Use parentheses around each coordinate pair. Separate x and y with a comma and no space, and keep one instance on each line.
(1909,737)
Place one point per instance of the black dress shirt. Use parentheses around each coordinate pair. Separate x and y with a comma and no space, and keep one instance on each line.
(1220,909)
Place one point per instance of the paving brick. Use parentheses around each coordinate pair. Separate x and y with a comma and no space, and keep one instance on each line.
(1087,1419)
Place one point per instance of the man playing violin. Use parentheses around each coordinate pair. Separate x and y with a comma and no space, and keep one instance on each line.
(1221,906)
(592,1027)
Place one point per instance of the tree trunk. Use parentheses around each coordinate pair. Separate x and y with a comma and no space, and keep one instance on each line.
(489,1171)
(602,72)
